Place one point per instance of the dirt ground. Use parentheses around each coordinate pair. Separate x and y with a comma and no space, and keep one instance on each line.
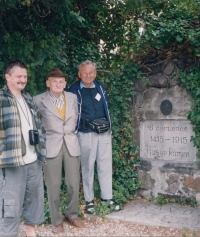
(97,226)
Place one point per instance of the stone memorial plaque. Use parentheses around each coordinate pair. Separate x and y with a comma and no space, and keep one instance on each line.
(166,107)
(167,140)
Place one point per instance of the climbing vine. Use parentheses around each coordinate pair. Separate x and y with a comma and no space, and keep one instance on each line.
(191,80)
(47,34)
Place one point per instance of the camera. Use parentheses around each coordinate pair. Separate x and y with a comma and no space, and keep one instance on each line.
(33,137)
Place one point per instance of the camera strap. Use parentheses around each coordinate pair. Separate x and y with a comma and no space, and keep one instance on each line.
(25,105)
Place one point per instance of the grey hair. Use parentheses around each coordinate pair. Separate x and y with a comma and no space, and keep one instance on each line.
(87,62)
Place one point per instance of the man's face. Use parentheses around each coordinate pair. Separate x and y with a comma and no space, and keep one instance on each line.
(56,85)
(16,80)
(87,73)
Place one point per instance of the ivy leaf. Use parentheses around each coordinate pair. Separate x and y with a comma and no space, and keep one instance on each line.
(198,92)
(179,38)
(81,19)
(1,65)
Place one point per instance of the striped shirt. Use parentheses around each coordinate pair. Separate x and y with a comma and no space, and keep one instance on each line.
(57,101)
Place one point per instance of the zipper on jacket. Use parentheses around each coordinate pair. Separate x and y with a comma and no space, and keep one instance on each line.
(106,105)
(79,117)
(4,176)
(3,209)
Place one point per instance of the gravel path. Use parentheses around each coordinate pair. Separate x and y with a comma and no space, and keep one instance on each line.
(97,226)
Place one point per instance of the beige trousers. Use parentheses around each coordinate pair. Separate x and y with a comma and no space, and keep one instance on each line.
(53,181)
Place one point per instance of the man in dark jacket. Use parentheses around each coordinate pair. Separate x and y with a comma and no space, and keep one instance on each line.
(94,133)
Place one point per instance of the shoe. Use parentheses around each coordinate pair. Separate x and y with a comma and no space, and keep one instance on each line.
(58,229)
(77,222)
(112,203)
(89,207)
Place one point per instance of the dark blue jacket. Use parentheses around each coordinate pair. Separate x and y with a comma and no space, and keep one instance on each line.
(75,88)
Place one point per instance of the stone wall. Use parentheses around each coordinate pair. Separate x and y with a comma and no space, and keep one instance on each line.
(160,107)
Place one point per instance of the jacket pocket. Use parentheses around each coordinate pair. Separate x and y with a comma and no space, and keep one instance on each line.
(9,208)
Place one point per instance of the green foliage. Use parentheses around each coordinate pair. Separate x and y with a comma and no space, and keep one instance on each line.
(102,208)
(161,200)
(191,81)
(62,33)
(185,230)
(28,36)
(150,199)
(194,233)
(47,217)
(182,201)
(120,86)
(167,26)
(193,202)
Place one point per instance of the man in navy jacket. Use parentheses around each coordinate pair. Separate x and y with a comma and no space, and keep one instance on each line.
(95,147)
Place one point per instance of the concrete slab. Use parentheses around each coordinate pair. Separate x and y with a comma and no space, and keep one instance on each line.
(149,213)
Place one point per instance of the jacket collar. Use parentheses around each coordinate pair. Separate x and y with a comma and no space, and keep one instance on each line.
(9,93)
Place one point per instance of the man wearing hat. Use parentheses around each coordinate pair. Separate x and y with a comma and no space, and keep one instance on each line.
(59,114)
